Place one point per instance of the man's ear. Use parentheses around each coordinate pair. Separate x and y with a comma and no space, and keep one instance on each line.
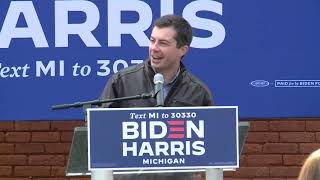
(183,50)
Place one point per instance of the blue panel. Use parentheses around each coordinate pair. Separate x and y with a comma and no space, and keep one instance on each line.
(172,138)
(266,42)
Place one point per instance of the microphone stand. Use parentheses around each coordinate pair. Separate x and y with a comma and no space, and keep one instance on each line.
(89,104)
(99,102)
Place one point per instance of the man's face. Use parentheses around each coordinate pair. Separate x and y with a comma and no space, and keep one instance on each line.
(164,55)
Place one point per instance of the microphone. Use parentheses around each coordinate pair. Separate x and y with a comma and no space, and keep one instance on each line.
(158,81)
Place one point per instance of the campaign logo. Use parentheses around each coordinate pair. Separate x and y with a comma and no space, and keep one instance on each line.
(163,142)
(260,83)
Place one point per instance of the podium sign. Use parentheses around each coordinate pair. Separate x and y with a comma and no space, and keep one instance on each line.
(163,138)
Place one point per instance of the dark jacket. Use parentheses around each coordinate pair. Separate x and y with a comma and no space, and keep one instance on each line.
(187,90)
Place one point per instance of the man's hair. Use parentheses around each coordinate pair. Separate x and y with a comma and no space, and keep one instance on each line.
(182,27)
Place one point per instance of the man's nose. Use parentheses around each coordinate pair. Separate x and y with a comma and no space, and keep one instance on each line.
(154,46)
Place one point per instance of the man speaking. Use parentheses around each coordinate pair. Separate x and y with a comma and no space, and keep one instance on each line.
(169,42)
(162,73)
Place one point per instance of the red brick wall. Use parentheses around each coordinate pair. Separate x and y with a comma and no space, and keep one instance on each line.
(274,150)
(36,150)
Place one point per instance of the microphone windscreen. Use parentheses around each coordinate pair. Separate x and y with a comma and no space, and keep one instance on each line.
(158,78)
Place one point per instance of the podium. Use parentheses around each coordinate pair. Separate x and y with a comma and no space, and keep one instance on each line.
(78,157)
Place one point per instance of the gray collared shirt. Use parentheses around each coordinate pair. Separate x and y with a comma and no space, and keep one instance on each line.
(167,87)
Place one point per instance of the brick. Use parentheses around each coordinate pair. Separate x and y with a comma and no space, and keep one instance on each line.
(1,136)
(228,178)
(6,148)
(6,126)
(243,160)
(284,171)
(252,172)
(279,148)
(7,178)
(58,171)
(29,148)
(297,137)
(46,160)
(62,148)
(67,158)
(307,148)
(292,160)
(260,137)
(318,137)
(256,125)
(32,126)
(264,160)
(270,179)
(79,178)
(313,125)
(66,136)
(225,174)
(5,171)
(33,171)
(66,125)
(13,159)
(45,137)
(58,178)
(17,137)
(287,125)
(252,149)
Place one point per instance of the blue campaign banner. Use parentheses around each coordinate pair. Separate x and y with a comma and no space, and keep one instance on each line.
(262,56)
(163,138)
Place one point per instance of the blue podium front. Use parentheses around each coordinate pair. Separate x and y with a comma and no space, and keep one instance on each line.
(163,138)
